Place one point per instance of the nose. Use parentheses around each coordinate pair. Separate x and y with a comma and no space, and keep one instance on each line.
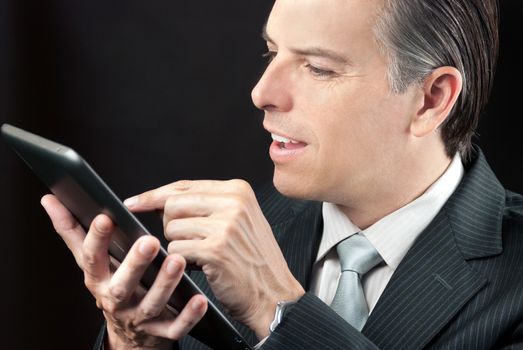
(273,91)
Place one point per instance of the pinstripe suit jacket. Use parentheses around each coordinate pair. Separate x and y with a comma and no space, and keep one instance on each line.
(460,286)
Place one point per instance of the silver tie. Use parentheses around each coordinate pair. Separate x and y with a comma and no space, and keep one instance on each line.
(357,257)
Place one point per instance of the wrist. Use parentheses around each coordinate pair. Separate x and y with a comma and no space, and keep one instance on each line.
(282,307)
(114,340)
(272,315)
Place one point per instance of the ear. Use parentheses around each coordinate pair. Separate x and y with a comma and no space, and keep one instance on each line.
(440,92)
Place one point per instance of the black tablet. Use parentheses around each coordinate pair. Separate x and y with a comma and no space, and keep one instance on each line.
(86,195)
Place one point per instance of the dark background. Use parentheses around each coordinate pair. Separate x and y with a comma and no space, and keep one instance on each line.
(149,92)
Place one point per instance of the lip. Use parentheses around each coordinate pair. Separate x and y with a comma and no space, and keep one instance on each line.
(283,134)
(281,155)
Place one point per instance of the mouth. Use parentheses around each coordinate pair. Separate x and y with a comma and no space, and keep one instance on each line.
(286,143)
(285,149)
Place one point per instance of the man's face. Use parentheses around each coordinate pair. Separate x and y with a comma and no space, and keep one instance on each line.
(326,90)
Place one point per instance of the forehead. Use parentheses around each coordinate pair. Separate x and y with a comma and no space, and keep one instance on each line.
(336,23)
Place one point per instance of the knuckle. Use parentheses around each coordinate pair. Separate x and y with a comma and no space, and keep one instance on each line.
(89,283)
(170,202)
(171,207)
(118,293)
(182,185)
(109,307)
(240,214)
(169,230)
(231,226)
(89,259)
(151,311)
(185,323)
(235,204)
(146,197)
(200,197)
(241,185)
(238,202)
(216,249)
(176,333)
(66,223)
(229,229)
(188,322)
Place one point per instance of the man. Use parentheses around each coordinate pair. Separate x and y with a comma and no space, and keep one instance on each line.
(372,105)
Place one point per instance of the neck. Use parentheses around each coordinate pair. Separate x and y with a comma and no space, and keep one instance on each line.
(402,186)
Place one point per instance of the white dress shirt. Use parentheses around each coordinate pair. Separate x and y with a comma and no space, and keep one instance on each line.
(392,236)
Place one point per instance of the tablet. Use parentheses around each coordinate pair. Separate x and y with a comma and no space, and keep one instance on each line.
(86,195)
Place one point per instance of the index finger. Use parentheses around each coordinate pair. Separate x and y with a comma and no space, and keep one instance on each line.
(155,199)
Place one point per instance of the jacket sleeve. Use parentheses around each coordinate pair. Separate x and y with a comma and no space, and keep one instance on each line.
(311,324)
(99,344)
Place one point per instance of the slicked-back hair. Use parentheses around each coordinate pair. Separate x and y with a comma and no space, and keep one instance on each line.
(419,36)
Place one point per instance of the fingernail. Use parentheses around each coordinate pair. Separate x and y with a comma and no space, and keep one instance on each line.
(146,249)
(131,202)
(197,304)
(172,267)
(98,224)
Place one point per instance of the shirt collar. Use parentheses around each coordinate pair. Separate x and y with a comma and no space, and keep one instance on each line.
(394,234)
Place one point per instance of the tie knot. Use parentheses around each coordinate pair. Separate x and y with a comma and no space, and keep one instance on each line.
(357,254)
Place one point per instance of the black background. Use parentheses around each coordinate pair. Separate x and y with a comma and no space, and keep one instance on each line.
(149,92)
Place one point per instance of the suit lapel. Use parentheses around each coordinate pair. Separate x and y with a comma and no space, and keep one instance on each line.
(429,287)
(434,280)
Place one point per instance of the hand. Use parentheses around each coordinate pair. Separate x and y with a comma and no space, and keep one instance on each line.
(135,318)
(219,226)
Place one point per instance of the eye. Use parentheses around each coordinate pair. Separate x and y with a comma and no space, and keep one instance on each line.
(319,72)
(269,55)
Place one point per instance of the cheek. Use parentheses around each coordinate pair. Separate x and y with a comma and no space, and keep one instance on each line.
(357,129)
(347,122)
(369,114)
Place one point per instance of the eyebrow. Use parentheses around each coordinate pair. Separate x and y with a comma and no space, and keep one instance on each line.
(312,51)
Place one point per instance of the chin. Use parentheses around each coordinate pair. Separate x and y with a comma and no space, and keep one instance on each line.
(293,187)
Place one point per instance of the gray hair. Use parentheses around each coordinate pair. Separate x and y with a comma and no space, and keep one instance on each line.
(419,36)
